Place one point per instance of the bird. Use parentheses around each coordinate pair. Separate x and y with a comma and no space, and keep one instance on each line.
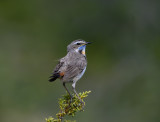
(71,67)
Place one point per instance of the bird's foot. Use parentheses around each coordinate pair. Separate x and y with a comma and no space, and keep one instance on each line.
(81,105)
(71,98)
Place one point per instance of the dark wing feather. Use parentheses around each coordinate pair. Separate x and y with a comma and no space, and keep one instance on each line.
(56,73)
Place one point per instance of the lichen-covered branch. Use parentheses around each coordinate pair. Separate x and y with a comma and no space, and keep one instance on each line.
(69,107)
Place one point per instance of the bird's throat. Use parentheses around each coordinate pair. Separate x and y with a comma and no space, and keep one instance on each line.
(83,52)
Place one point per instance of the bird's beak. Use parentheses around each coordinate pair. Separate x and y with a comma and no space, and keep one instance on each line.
(88,43)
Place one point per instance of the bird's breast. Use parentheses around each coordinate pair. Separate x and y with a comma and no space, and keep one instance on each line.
(79,75)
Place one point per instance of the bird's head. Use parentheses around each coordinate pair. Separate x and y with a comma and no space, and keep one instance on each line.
(78,46)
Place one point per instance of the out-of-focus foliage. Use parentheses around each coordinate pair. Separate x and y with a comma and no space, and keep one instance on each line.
(123,60)
(69,107)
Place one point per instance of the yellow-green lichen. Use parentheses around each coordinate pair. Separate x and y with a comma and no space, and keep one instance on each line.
(68,107)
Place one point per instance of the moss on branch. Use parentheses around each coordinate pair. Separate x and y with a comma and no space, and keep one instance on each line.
(68,107)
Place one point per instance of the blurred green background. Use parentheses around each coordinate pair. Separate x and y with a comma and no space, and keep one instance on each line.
(123,70)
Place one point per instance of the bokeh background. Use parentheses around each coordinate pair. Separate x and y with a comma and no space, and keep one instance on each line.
(123,70)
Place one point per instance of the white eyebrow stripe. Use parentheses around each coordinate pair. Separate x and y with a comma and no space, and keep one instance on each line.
(79,42)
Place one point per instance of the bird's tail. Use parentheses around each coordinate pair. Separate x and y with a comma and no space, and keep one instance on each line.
(54,77)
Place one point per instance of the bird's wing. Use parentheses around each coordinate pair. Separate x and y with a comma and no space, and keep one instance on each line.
(56,74)
(73,69)
(58,66)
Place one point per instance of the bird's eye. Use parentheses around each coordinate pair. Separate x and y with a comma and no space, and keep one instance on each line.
(78,43)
